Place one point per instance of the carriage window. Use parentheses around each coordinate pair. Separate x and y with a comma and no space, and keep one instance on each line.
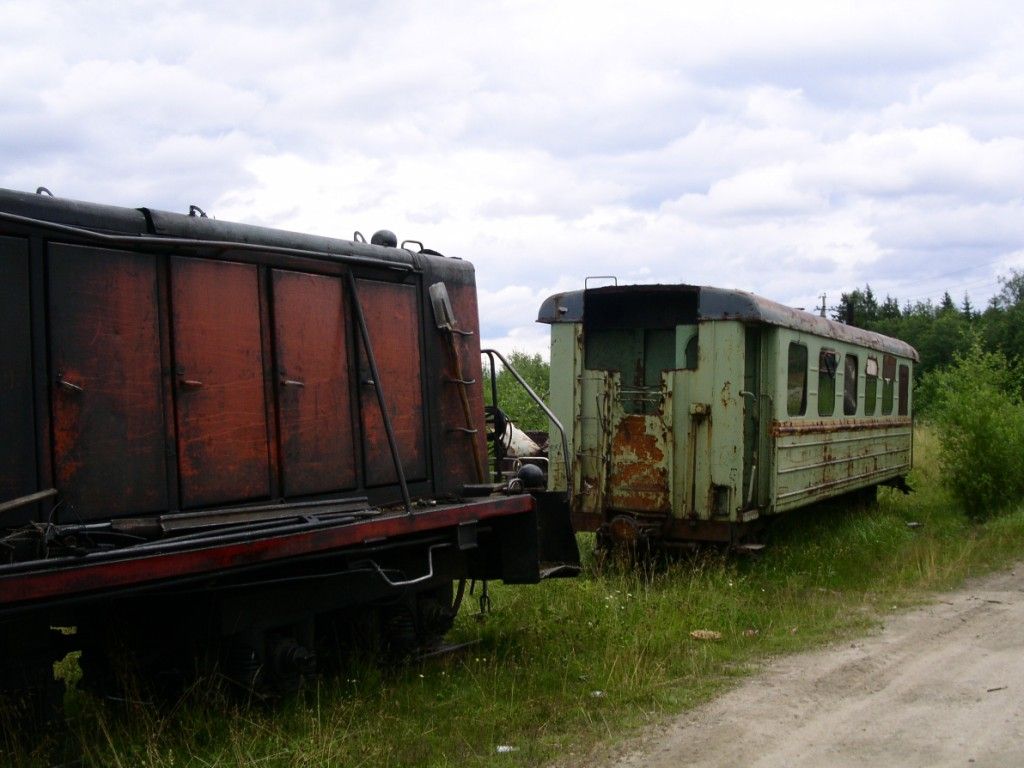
(640,355)
(904,390)
(796,380)
(850,372)
(690,356)
(828,361)
(870,386)
(888,375)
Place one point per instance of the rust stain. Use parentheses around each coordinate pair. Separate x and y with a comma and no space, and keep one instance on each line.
(459,466)
(780,428)
(639,478)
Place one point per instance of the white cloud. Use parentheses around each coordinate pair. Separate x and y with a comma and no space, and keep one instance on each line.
(793,148)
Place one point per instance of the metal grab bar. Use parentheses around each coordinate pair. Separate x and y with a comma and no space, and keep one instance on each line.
(491,354)
(406,582)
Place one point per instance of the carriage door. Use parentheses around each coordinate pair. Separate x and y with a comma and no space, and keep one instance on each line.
(641,446)
(393,320)
(221,410)
(756,415)
(106,393)
(311,333)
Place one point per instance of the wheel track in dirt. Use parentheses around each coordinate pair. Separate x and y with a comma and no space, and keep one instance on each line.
(941,685)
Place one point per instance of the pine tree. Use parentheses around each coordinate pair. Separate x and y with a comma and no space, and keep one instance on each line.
(946,305)
(966,308)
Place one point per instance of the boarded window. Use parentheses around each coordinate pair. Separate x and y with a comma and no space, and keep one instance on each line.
(888,377)
(904,390)
(850,373)
(796,380)
(828,361)
(870,386)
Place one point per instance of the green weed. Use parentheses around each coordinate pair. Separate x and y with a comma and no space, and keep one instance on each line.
(558,668)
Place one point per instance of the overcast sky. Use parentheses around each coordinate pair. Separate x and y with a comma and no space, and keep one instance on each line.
(791,149)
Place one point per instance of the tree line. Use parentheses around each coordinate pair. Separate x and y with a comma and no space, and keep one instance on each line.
(940,332)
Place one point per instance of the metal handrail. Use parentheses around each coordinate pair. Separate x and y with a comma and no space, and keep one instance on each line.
(491,354)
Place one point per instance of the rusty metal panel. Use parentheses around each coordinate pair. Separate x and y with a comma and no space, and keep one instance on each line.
(18,446)
(393,321)
(592,441)
(639,477)
(716,411)
(221,414)
(311,332)
(564,399)
(457,464)
(817,459)
(108,418)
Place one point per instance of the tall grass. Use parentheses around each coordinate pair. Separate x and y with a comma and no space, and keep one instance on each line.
(558,668)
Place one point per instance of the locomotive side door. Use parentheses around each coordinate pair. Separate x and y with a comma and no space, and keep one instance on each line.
(223,448)
(757,414)
(18,464)
(395,327)
(106,390)
(313,383)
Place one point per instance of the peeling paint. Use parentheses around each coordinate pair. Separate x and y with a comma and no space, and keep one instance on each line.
(638,480)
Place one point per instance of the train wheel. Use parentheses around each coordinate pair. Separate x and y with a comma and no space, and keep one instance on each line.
(399,639)
(437,609)
(622,543)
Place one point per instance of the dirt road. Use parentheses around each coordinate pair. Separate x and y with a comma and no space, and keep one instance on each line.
(940,686)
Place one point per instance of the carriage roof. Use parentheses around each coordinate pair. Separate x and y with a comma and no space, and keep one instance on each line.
(703,303)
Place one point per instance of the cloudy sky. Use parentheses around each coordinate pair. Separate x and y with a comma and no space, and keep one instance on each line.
(788,148)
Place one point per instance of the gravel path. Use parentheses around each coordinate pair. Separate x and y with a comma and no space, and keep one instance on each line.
(942,685)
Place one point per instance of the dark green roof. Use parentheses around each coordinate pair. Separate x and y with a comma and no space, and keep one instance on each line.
(725,304)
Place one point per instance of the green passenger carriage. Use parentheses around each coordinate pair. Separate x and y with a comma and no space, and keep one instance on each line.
(694,413)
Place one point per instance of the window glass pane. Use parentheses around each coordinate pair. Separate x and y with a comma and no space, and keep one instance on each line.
(827,363)
(888,374)
(850,372)
(796,381)
(904,389)
(870,386)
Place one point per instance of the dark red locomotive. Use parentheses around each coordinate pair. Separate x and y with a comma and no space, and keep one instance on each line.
(228,439)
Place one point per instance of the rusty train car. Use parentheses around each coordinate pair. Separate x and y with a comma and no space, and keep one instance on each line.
(228,439)
(695,413)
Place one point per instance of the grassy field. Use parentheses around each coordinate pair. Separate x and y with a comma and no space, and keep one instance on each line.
(559,668)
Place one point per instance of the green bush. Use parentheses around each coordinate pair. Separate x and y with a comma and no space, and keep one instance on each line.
(976,405)
(512,398)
